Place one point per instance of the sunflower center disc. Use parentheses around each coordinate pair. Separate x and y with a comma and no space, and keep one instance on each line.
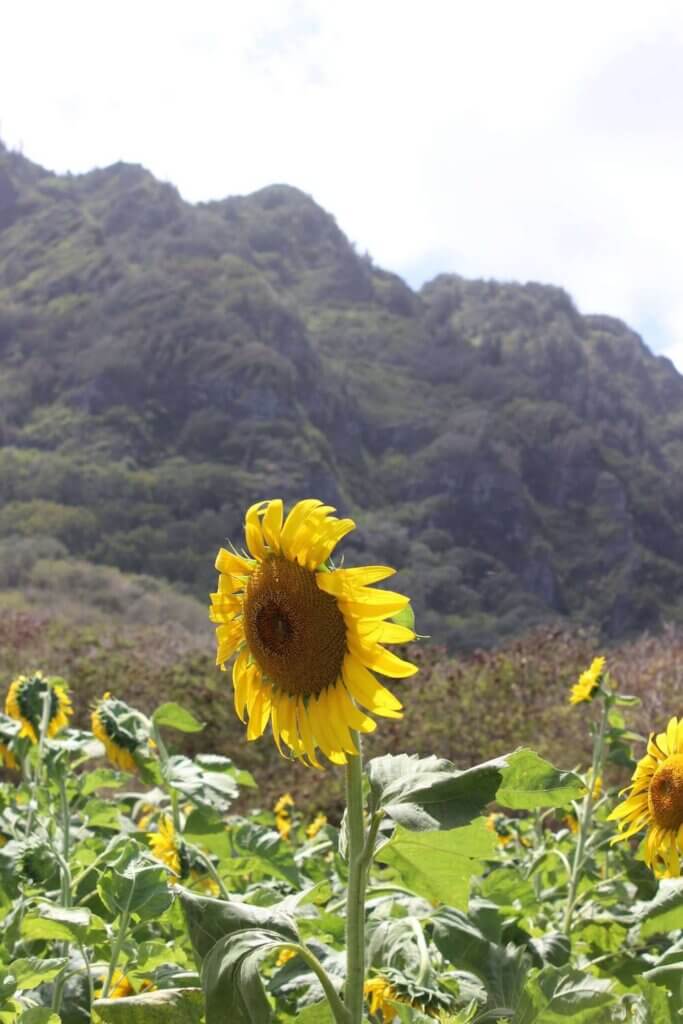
(294,630)
(666,793)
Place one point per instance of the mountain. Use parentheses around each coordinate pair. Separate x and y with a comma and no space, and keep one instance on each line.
(162,365)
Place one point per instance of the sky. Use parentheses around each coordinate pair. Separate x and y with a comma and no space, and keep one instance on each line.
(509,139)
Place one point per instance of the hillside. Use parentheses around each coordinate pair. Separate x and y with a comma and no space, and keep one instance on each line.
(162,365)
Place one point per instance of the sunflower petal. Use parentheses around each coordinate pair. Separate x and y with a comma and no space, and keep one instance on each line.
(293,521)
(382,661)
(272,524)
(230,564)
(368,691)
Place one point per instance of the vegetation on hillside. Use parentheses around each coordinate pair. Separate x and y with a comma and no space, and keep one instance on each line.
(162,365)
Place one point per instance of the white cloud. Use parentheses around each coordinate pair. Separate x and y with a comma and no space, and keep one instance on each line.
(519,140)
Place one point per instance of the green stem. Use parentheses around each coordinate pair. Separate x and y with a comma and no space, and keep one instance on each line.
(358,857)
(586,816)
(339,1011)
(66,817)
(88,971)
(116,952)
(38,774)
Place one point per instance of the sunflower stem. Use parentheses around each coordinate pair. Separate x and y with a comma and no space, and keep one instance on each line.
(587,814)
(38,774)
(355,895)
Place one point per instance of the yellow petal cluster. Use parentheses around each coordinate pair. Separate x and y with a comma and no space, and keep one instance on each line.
(588,682)
(164,845)
(306,637)
(378,992)
(283,815)
(655,802)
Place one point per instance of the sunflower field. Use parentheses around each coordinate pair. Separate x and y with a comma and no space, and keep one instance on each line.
(132,890)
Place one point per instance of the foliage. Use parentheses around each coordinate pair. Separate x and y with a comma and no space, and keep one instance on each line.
(465,921)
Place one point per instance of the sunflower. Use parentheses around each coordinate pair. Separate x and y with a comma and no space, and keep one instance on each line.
(318,822)
(655,802)
(8,732)
(496,823)
(117,726)
(307,635)
(380,995)
(167,848)
(588,682)
(283,815)
(25,702)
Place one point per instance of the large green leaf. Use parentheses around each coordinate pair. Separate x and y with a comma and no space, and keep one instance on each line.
(556,995)
(645,1003)
(30,972)
(136,884)
(233,990)
(529,782)
(100,778)
(173,716)
(266,846)
(664,913)
(57,923)
(501,969)
(206,788)
(209,920)
(430,793)
(439,865)
(317,1013)
(167,1006)
(39,1015)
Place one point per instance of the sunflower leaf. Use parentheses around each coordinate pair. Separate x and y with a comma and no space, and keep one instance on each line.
(208,920)
(174,716)
(500,968)
(439,865)
(167,1006)
(230,979)
(52,922)
(556,994)
(430,793)
(664,913)
(30,972)
(136,884)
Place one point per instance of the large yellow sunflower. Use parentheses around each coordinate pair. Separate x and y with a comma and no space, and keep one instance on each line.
(25,703)
(307,635)
(655,802)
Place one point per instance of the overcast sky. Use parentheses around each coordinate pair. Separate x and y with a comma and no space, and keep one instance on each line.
(515,139)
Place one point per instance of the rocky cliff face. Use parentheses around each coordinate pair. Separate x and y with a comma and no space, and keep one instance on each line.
(163,364)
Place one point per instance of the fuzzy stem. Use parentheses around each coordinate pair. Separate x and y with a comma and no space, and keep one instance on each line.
(38,774)
(355,895)
(116,952)
(586,816)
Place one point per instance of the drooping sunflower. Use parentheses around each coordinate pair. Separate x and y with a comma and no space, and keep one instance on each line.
(120,729)
(588,682)
(394,987)
(25,703)
(308,636)
(380,995)
(9,731)
(655,802)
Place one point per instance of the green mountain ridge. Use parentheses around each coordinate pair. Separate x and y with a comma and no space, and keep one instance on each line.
(163,364)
